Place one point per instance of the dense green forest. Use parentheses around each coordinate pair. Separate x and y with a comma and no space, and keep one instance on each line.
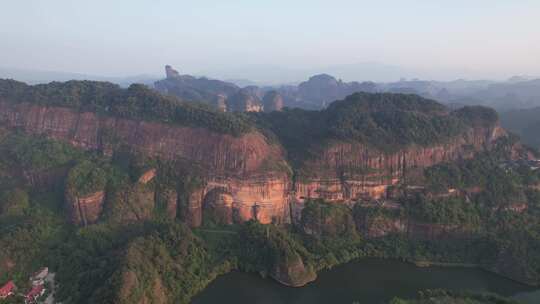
(136,102)
(121,260)
(385,121)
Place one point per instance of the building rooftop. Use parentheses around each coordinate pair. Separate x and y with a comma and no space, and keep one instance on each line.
(7,289)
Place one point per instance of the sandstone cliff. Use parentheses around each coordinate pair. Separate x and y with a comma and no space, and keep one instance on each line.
(272,101)
(236,165)
(246,176)
(85,210)
(351,171)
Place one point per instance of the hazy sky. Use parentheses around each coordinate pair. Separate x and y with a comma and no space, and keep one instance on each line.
(490,38)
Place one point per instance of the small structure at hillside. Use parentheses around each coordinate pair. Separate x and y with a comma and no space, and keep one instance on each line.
(33,295)
(147,176)
(7,290)
(38,278)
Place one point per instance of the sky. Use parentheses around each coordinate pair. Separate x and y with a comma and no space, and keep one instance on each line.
(439,39)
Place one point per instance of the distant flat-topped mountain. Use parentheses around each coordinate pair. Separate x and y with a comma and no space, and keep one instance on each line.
(194,89)
(323,89)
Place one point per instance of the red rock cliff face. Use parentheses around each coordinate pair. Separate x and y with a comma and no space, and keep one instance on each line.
(349,171)
(85,210)
(225,154)
(235,164)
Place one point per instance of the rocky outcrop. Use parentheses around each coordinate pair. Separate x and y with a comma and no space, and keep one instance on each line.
(195,89)
(221,102)
(380,226)
(264,198)
(170,72)
(320,90)
(147,176)
(244,101)
(272,101)
(85,210)
(291,271)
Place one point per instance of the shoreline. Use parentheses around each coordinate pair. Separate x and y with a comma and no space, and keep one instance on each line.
(427,264)
(418,264)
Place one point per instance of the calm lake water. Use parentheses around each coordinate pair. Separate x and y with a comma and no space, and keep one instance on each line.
(369,281)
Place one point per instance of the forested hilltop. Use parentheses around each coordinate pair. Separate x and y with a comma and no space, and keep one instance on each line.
(119,223)
(135,102)
(383,120)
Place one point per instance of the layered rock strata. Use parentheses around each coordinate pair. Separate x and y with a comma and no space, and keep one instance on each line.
(242,181)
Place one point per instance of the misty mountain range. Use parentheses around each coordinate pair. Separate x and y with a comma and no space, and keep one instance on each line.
(515,93)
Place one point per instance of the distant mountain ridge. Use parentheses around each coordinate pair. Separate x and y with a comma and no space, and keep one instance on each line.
(42,76)
(518,92)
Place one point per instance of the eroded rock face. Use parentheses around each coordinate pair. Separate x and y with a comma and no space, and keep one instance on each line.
(341,172)
(170,72)
(264,198)
(195,89)
(226,155)
(85,210)
(272,101)
(147,176)
(218,207)
(351,171)
(244,101)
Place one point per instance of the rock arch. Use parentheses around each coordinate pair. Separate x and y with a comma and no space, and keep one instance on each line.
(218,207)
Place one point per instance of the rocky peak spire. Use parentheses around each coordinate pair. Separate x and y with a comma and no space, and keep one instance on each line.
(170,72)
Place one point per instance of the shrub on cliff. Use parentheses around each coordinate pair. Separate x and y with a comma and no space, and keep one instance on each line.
(271,250)
(446,211)
(86,178)
(14,202)
(36,153)
(322,219)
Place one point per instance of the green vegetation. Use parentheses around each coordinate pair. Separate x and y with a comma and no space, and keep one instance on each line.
(322,219)
(160,262)
(452,297)
(136,102)
(137,253)
(385,121)
(86,178)
(263,247)
(447,211)
(14,202)
(36,153)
